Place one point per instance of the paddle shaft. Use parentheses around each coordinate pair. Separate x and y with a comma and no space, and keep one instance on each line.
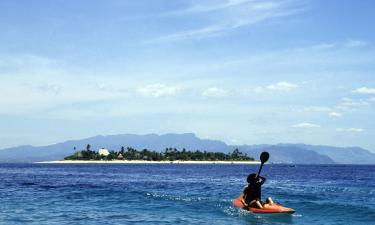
(260,169)
(263,158)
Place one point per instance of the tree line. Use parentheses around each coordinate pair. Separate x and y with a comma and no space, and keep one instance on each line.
(169,154)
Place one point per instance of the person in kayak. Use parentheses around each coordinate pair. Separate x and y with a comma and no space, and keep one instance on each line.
(252,194)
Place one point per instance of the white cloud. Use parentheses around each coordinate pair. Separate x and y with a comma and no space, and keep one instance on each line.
(323,46)
(282,86)
(346,99)
(112,88)
(348,103)
(27,62)
(316,109)
(158,90)
(353,130)
(54,88)
(306,125)
(103,86)
(208,6)
(335,114)
(259,89)
(355,43)
(304,59)
(364,90)
(219,17)
(215,92)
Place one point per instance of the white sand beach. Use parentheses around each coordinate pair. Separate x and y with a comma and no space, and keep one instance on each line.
(144,162)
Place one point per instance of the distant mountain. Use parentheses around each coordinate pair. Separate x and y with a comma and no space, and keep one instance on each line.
(346,155)
(58,151)
(288,154)
(280,153)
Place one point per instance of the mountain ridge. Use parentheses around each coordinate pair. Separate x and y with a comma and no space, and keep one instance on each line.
(280,153)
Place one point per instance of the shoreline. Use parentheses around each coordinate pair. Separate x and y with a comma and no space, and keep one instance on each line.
(144,162)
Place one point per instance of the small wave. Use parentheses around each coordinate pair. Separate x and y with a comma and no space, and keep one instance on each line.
(175,198)
(28,183)
(48,186)
(232,211)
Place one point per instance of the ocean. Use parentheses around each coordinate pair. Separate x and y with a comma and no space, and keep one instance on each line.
(181,194)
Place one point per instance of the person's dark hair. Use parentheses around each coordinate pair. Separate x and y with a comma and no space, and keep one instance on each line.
(251,178)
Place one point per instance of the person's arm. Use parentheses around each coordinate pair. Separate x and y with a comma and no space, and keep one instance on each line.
(262,180)
(244,203)
(245,190)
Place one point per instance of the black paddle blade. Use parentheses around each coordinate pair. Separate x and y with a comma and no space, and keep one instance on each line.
(264,157)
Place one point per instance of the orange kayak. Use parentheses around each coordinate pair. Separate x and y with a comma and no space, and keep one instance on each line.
(269,208)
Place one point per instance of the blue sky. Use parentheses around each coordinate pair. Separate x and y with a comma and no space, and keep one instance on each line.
(242,71)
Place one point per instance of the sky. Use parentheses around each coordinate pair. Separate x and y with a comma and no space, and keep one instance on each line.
(241,71)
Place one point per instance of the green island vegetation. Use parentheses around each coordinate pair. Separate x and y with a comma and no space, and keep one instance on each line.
(169,154)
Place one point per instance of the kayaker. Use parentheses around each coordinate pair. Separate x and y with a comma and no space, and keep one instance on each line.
(252,194)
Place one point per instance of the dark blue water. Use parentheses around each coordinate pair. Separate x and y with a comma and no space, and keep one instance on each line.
(181,194)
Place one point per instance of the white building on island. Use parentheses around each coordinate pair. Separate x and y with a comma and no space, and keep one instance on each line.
(103,152)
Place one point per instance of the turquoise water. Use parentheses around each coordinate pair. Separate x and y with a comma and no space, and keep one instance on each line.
(181,194)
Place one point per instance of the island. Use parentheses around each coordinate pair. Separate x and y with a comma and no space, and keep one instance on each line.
(169,155)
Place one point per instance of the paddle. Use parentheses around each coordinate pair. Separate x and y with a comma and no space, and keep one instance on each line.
(263,158)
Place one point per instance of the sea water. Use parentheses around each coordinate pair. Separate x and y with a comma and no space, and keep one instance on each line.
(181,194)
